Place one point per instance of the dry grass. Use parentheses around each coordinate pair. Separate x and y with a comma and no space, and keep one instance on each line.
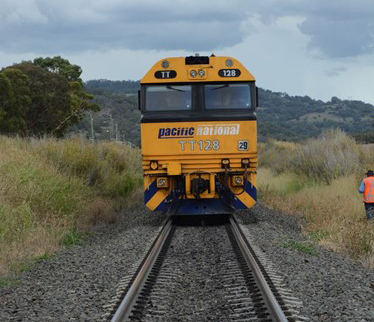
(52,191)
(332,155)
(333,208)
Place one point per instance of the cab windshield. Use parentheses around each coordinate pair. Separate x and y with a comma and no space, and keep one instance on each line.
(168,98)
(227,96)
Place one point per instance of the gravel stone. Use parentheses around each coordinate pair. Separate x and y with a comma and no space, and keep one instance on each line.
(76,283)
(79,281)
(201,280)
(331,286)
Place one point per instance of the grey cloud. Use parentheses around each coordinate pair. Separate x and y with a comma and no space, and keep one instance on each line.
(112,25)
(338,37)
(335,28)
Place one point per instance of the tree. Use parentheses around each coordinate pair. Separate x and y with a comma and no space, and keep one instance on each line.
(15,101)
(50,100)
(5,96)
(60,66)
(42,97)
(80,100)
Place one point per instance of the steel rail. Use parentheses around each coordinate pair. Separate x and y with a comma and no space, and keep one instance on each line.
(271,302)
(124,309)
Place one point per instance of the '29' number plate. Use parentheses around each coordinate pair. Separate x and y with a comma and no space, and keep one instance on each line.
(243,145)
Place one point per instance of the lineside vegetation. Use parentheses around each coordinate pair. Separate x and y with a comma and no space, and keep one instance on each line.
(318,180)
(52,191)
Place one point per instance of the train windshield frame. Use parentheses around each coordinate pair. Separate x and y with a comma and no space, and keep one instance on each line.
(168,97)
(227,96)
(194,106)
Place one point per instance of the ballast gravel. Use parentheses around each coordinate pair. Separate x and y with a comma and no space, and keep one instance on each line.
(332,287)
(78,282)
(201,280)
(75,284)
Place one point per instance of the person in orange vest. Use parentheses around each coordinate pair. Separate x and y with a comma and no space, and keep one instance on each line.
(367,188)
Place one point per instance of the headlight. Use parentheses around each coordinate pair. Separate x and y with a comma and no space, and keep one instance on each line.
(193,73)
(237,181)
(202,73)
(162,182)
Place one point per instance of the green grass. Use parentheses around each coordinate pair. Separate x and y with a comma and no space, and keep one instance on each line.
(27,264)
(44,257)
(318,235)
(8,282)
(303,247)
(73,237)
(52,192)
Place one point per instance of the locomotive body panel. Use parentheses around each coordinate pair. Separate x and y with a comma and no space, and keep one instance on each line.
(199,136)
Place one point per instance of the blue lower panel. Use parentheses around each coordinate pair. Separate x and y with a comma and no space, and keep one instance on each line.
(203,207)
(163,206)
(237,204)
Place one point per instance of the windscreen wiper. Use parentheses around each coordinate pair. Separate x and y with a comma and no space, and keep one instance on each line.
(223,86)
(175,89)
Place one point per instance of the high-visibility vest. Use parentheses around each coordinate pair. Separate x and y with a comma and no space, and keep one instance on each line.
(369,189)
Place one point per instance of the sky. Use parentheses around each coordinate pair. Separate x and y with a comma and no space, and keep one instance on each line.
(319,48)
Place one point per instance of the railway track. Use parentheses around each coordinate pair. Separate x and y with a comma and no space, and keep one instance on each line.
(191,273)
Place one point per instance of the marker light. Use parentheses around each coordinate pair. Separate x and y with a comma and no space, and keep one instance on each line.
(202,73)
(154,165)
(229,63)
(245,163)
(225,163)
(165,64)
(193,73)
(162,182)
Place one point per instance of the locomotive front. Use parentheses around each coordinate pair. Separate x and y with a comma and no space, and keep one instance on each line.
(199,136)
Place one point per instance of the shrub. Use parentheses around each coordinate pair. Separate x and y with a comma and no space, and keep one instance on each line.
(332,155)
(51,191)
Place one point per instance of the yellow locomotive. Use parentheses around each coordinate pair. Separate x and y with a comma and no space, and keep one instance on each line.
(199,135)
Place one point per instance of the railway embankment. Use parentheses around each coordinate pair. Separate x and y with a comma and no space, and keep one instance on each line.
(318,181)
(52,192)
(77,282)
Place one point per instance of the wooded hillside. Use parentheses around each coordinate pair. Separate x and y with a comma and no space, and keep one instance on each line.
(280,116)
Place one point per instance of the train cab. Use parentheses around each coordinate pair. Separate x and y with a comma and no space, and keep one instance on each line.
(199,135)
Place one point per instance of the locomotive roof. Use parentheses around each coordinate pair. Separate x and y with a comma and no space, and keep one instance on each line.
(179,69)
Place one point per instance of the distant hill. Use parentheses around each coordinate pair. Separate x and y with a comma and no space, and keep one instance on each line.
(298,117)
(119,116)
(114,87)
(280,116)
